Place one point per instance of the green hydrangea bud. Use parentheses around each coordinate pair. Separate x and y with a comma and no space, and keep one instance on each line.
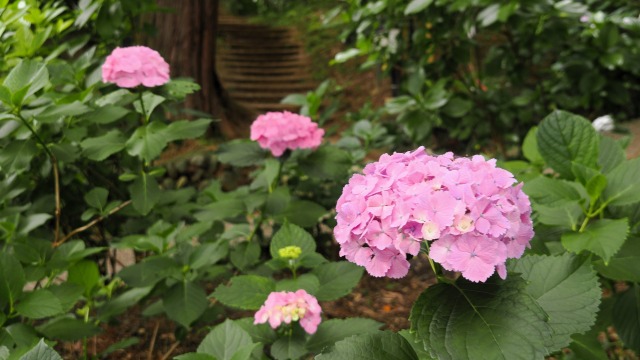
(290,252)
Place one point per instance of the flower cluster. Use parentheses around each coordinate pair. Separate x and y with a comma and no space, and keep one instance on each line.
(285,306)
(467,210)
(279,131)
(132,66)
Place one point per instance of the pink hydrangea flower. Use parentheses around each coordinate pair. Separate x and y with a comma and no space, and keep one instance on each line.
(132,66)
(279,131)
(286,306)
(466,209)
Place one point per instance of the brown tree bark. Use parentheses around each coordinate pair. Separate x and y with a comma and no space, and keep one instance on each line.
(186,34)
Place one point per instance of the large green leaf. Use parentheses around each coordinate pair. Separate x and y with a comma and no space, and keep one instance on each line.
(86,274)
(289,347)
(245,292)
(623,187)
(307,282)
(382,345)
(262,333)
(26,79)
(149,102)
(39,304)
(547,191)
(186,129)
(554,279)
(304,213)
(101,147)
(225,341)
(149,271)
(148,141)
(12,278)
(336,279)
(245,254)
(68,329)
(241,153)
(16,156)
(493,320)
(611,154)
(625,265)
(292,235)
(333,330)
(327,162)
(602,237)
(530,147)
(119,304)
(564,138)
(145,193)
(626,317)
(185,302)
(41,351)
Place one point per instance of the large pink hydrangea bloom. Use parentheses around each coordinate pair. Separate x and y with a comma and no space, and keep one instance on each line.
(466,208)
(132,66)
(286,306)
(279,131)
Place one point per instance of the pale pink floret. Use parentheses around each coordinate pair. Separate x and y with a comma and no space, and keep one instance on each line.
(467,208)
(288,307)
(281,131)
(132,66)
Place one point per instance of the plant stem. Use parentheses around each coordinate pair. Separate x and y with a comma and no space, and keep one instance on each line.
(56,175)
(90,224)
(144,112)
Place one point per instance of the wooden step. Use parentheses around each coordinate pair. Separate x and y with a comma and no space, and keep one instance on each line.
(264,107)
(261,51)
(289,87)
(266,77)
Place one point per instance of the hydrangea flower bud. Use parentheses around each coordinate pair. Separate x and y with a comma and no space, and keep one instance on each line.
(132,66)
(290,252)
(466,209)
(287,307)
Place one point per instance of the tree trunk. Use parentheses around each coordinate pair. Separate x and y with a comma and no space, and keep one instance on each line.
(186,34)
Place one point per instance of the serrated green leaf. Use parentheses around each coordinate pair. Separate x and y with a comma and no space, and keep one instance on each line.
(67,293)
(86,274)
(185,302)
(41,351)
(145,193)
(565,213)
(194,356)
(148,141)
(602,237)
(225,340)
(245,254)
(260,333)
(26,78)
(292,235)
(547,191)
(149,102)
(101,147)
(208,254)
(333,330)
(382,345)
(336,279)
(626,317)
(97,198)
(187,129)
(288,347)
(119,304)
(180,88)
(39,304)
(564,138)
(611,154)
(327,162)
(106,114)
(149,271)
(595,186)
(68,329)
(623,187)
(307,282)
(552,280)
(12,278)
(304,213)
(241,153)
(492,320)
(416,344)
(247,292)
(625,265)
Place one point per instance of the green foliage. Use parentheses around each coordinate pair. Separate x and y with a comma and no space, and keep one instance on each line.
(383,345)
(481,73)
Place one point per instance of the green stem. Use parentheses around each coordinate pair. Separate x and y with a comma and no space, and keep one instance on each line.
(434,267)
(145,119)
(56,175)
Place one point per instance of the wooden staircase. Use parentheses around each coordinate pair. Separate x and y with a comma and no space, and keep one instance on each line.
(259,64)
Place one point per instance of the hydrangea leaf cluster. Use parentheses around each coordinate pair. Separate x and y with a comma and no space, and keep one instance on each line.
(279,131)
(133,66)
(287,306)
(467,209)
